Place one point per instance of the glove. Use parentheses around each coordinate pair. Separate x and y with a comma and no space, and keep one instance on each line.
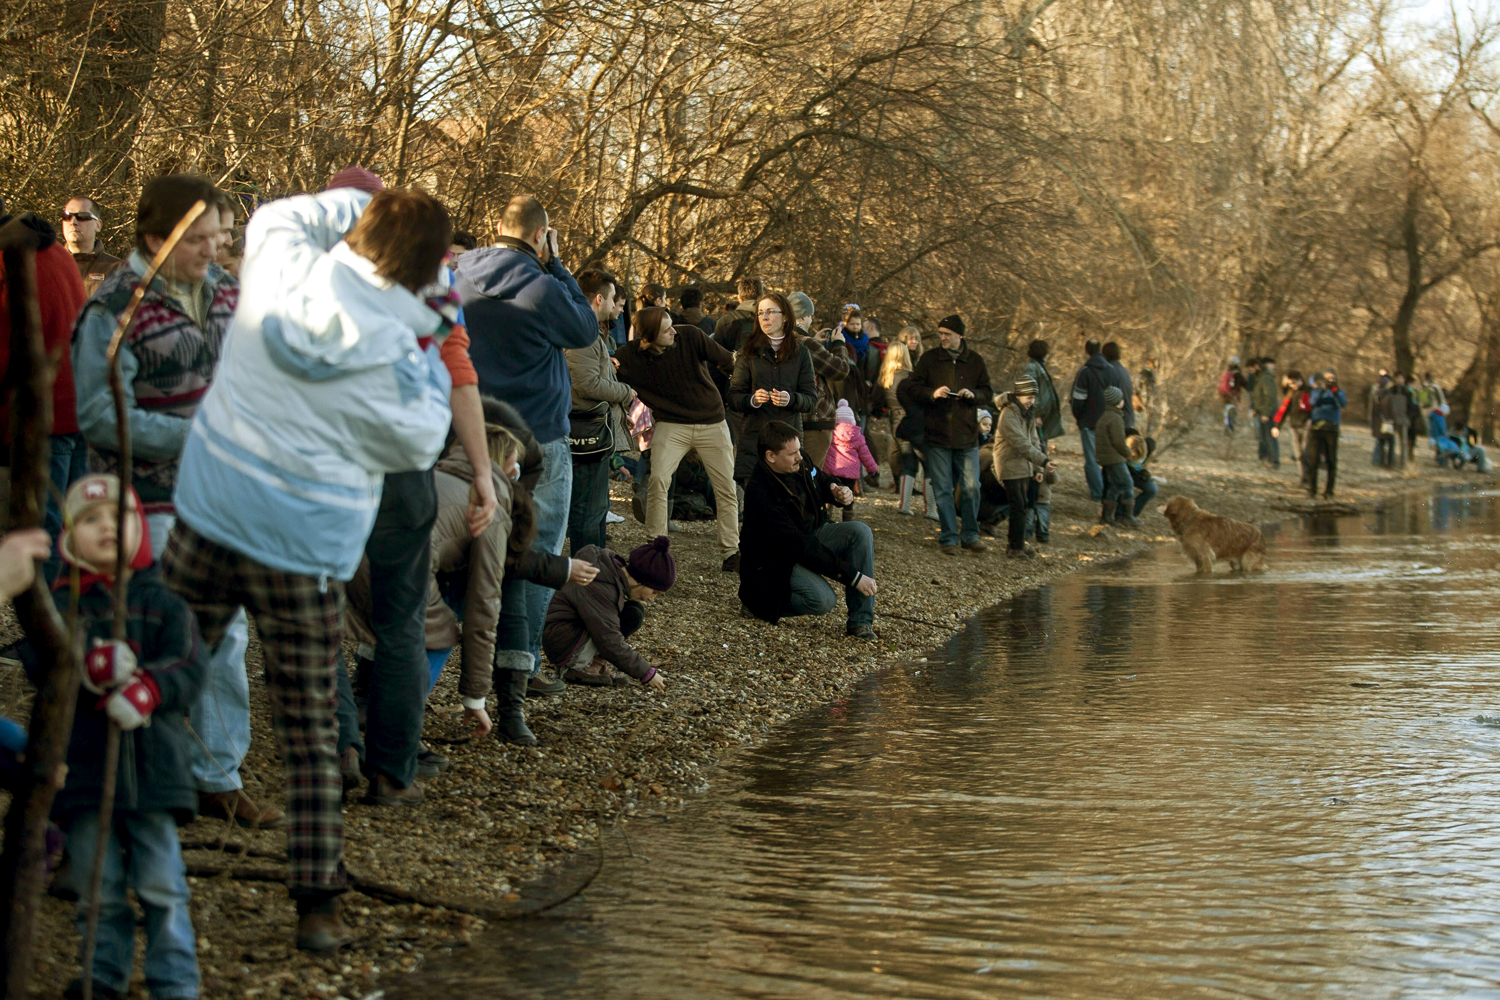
(108,665)
(132,705)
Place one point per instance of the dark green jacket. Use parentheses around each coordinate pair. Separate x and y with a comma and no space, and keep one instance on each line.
(1110,446)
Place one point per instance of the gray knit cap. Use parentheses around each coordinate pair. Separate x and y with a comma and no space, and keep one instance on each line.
(802,305)
(1113,396)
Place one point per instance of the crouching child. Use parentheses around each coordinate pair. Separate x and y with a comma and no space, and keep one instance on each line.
(588,624)
(145,685)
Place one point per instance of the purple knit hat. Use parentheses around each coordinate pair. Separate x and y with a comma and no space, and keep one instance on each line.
(358,177)
(652,564)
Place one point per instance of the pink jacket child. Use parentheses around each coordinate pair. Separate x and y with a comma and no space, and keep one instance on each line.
(848,451)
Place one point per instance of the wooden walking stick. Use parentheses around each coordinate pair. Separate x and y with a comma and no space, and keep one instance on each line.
(29,376)
(121,602)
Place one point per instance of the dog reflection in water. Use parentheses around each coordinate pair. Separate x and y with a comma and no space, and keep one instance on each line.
(1206,537)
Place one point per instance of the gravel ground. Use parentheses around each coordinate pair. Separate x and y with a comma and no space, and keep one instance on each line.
(502,816)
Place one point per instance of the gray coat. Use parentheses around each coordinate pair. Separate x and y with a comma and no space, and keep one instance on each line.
(1018,453)
(594,381)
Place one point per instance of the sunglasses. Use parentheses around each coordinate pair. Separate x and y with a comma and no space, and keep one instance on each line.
(79,216)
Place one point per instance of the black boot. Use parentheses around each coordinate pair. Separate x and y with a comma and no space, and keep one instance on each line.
(1107,513)
(1126,514)
(510,710)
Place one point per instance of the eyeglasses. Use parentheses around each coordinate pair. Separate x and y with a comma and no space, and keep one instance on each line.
(770,312)
(79,216)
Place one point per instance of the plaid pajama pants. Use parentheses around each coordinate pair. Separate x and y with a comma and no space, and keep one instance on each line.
(300,628)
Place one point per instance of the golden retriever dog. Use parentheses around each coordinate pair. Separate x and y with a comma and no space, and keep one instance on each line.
(1206,537)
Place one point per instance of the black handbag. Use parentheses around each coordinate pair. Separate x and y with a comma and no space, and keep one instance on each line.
(590,438)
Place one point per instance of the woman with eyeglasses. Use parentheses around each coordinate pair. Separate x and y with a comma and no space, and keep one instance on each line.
(772,380)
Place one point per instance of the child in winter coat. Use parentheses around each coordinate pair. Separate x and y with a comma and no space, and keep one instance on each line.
(152,676)
(1140,476)
(587,624)
(847,454)
(1113,454)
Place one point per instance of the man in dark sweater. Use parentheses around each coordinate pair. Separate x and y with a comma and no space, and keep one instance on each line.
(791,546)
(668,367)
(950,383)
(1087,403)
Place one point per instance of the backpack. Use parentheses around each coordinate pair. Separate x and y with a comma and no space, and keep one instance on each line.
(1226,385)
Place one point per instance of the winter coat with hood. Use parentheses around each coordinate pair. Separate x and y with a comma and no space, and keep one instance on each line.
(155,770)
(782,511)
(593,612)
(760,368)
(522,315)
(1018,453)
(323,388)
(594,381)
(1048,406)
(1087,400)
(849,453)
(951,422)
(1110,446)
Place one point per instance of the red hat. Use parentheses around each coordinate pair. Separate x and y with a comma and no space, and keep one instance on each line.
(356,177)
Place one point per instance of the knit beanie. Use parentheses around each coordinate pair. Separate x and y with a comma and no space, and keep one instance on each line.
(356,177)
(1025,386)
(843,414)
(802,305)
(1113,396)
(954,323)
(652,564)
(86,494)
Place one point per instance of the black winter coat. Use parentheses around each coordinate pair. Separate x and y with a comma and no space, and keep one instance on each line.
(951,422)
(759,369)
(1087,401)
(781,514)
(155,772)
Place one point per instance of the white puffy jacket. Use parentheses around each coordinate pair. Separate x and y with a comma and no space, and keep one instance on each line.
(322,389)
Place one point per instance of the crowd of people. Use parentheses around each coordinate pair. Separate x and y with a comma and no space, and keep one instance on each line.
(355,420)
(1307,414)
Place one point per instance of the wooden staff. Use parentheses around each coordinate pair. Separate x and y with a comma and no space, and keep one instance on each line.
(23,865)
(122,582)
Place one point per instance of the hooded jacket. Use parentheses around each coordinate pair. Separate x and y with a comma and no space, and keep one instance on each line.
(521,316)
(155,770)
(1087,400)
(593,611)
(1048,407)
(848,452)
(951,422)
(323,388)
(1110,446)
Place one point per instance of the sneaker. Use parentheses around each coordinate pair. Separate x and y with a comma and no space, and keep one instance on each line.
(586,677)
(976,546)
(638,509)
(385,792)
(1043,539)
(1022,553)
(320,932)
(950,550)
(731,564)
(545,685)
(430,763)
(612,518)
(865,632)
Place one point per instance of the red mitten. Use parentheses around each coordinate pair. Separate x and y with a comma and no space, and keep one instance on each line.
(132,705)
(108,665)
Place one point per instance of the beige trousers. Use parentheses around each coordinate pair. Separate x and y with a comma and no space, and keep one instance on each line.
(669,443)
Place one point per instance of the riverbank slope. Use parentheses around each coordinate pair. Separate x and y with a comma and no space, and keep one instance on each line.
(502,815)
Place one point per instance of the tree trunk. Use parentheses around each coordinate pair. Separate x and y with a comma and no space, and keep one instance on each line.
(1411,243)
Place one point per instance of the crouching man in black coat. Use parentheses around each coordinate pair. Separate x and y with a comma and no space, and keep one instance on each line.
(788,545)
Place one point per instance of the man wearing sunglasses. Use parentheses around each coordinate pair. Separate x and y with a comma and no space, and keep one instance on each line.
(80,226)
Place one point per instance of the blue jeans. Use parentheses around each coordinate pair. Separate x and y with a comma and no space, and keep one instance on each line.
(551,498)
(1145,496)
(221,715)
(70,461)
(945,467)
(1091,473)
(143,854)
(588,504)
(1118,486)
(828,546)
(1039,521)
(1268,447)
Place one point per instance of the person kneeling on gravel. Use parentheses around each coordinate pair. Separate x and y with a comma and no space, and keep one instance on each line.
(587,625)
(788,545)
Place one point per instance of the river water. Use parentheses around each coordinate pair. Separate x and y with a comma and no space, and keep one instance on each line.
(1130,783)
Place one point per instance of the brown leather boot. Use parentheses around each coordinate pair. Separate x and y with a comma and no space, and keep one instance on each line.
(385,792)
(322,928)
(240,808)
